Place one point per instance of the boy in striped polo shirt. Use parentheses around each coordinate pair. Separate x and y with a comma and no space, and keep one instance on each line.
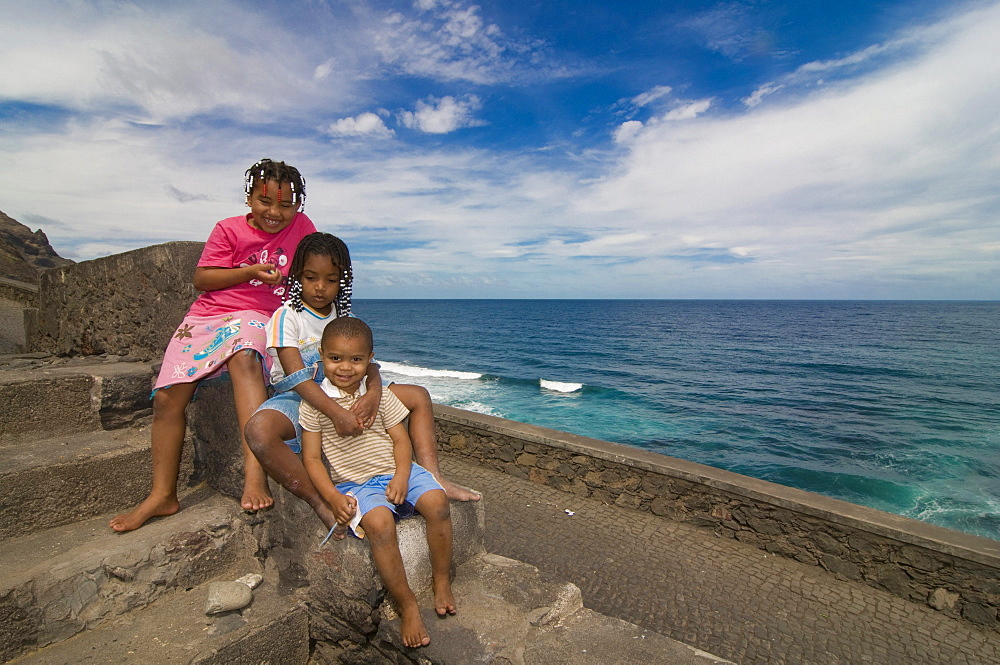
(377,469)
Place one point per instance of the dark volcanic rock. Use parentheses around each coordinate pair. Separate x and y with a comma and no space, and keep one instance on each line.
(24,254)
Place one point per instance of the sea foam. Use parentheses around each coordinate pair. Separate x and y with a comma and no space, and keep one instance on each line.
(410,370)
(560,386)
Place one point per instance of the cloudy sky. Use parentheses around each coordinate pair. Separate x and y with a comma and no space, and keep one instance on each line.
(527,149)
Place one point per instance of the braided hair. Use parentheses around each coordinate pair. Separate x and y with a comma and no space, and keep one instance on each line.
(322,244)
(267,169)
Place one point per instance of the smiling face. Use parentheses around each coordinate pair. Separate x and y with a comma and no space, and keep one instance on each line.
(271,206)
(320,281)
(345,360)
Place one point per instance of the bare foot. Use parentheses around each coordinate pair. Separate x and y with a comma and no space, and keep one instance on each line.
(256,496)
(150,507)
(412,629)
(459,493)
(444,601)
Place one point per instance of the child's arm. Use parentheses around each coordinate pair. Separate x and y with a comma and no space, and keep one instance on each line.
(312,458)
(345,422)
(207,278)
(366,408)
(402,452)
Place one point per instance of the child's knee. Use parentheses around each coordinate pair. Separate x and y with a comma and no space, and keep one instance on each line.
(434,506)
(243,362)
(257,432)
(412,396)
(169,404)
(380,526)
(267,428)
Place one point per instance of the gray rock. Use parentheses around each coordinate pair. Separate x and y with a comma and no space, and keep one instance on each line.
(227,596)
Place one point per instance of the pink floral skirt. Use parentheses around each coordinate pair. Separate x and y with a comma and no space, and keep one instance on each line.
(201,346)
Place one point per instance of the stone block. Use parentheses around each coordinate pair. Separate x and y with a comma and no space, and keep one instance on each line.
(943,599)
(215,431)
(91,307)
(840,567)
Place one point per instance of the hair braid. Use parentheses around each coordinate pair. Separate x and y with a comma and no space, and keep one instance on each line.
(267,169)
(322,244)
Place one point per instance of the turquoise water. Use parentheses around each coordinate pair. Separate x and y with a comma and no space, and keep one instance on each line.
(893,405)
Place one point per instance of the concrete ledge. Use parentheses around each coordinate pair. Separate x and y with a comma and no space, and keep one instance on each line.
(956,573)
(21,292)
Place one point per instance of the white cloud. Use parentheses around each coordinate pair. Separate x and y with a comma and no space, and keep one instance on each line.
(688,111)
(160,62)
(366,124)
(821,72)
(758,95)
(730,29)
(898,164)
(627,131)
(653,95)
(451,41)
(444,115)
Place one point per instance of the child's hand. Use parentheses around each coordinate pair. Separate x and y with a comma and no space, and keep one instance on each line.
(344,508)
(346,422)
(267,273)
(396,490)
(366,408)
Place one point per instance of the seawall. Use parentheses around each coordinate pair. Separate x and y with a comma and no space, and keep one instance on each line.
(955,573)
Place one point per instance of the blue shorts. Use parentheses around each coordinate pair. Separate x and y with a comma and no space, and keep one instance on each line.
(371,493)
(287,404)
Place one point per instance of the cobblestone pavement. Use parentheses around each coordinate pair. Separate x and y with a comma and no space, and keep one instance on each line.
(716,594)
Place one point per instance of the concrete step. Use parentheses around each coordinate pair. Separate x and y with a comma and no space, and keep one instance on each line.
(65,478)
(61,581)
(45,397)
(273,629)
(509,613)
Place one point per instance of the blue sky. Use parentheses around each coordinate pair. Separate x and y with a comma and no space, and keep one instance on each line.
(561,149)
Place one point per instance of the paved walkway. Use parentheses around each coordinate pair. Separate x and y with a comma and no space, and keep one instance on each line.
(719,595)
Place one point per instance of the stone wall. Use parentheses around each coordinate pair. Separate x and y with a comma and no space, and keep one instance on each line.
(20,292)
(126,304)
(953,572)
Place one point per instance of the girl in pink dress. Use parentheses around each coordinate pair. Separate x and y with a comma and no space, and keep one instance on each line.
(242,275)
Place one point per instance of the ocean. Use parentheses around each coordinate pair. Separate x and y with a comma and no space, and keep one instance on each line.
(889,404)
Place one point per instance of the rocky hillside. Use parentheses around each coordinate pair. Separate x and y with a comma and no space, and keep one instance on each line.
(24,254)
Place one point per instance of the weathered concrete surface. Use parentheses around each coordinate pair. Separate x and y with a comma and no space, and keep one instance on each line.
(717,594)
(68,478)
(55,396)
(508,613)
(589,638)
(72,445)
(125,304)
(273,630)
(955,573)
(59,582)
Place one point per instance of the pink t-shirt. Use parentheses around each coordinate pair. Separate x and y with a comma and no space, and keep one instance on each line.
(234,243)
